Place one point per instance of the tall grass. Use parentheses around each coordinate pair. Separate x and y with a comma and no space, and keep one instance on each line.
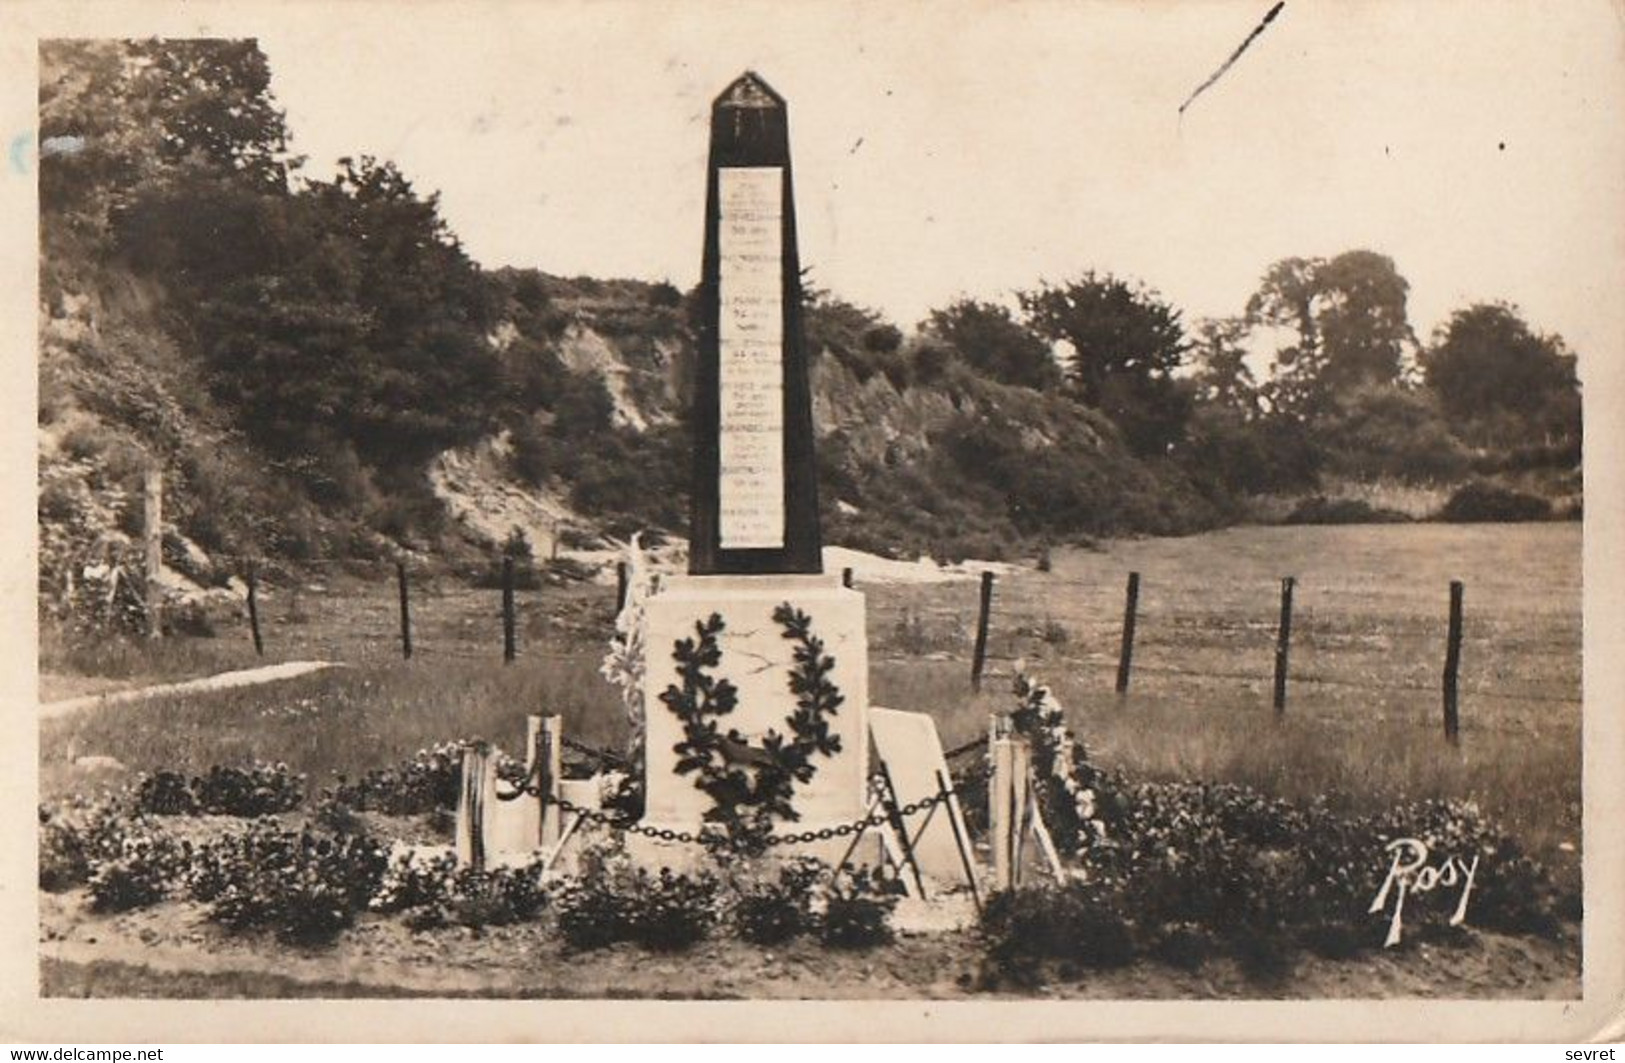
(1528,778)
(1362,726)
(343,721)
(133,657)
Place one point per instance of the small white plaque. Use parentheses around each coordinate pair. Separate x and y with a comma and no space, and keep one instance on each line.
(750,334)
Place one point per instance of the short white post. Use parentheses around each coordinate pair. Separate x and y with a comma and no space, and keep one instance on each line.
(543,741)
(1021,805)
(1009,816)
(471,809)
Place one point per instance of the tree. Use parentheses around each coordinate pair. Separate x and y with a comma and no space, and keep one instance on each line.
(129,113)
(1223,377)
(342,315)
(1126,344)
(1491,371)
(1349,316)
(988,337)
(214,99)
(1385,431)
(1363,319)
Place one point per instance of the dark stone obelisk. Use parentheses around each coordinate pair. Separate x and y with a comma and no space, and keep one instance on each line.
(755,492)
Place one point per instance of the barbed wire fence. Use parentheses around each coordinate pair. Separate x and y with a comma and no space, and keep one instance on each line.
(535,610)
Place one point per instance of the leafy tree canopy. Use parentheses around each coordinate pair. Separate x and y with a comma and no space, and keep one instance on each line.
(1127,342)
(1349,316)
(1222,376)
(988,337)
(117,114)
(1487,365)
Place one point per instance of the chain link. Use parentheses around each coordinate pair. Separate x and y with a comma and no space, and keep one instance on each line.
(603,755)
(959,751)
(598,817)
(531,784)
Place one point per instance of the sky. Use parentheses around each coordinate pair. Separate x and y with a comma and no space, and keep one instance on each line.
(951,149)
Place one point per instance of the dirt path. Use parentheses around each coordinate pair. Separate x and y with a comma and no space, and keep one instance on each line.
(246,677)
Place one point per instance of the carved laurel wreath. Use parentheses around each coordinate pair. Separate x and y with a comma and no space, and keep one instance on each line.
(751,786)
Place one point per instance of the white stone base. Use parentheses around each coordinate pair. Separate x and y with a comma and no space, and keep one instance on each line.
(758,659)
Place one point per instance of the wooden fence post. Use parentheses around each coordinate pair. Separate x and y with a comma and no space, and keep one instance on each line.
(979,655)
(1283,644)
(152,527)
(1131,606)
(406,611)
(509,646)
(1452,665)
(254,610)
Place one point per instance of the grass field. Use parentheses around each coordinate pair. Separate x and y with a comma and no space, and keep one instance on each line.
(1362,724)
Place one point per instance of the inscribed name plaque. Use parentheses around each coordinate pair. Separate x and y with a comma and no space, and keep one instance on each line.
(750,430)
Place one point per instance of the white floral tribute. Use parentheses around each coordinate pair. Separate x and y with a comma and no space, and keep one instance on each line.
(624,663)
(1042,720)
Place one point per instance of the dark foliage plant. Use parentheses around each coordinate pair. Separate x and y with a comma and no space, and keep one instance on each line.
(1488,502)
(857,908)
(257,790)
(427,782)
(772,911)
(305,885)
(435,892)
(1184,871)
(666,911)
(125,859)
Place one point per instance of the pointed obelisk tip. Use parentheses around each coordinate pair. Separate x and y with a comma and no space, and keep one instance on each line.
(749,90)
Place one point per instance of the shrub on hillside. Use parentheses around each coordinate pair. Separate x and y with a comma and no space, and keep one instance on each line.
(675,910)
(1182,870)
(165,793)
(1323,510)
(1390,432)
(1484,502)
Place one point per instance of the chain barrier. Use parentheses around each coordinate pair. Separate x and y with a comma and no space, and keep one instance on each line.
(959,751)
(604,756)
(611,821)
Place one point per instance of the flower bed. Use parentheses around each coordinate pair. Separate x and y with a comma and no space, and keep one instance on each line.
(1182,871)
(1175,871)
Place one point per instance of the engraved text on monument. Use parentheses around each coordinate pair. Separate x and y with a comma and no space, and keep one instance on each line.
(751,356)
